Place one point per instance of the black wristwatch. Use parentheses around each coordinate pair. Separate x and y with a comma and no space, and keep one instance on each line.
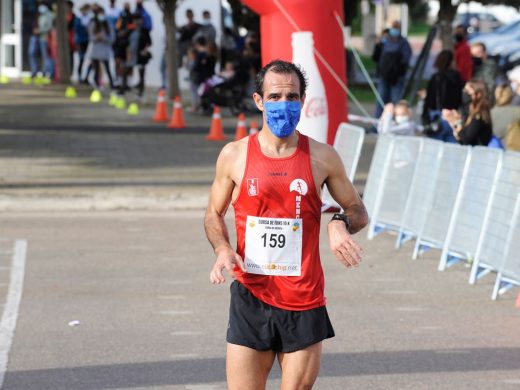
(344,218)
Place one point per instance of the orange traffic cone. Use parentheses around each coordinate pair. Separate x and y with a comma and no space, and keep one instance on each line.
(161,114)
(254,128)
(517,304)
(241,131)
(177,121)
(216,132)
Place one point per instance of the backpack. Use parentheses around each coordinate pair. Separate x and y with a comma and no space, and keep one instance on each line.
(391,67)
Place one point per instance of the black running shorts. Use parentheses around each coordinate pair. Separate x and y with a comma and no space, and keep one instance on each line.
(257,325)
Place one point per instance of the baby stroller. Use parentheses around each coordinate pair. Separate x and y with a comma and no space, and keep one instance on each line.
(229,94)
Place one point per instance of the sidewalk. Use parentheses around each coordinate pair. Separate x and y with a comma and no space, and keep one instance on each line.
(69,154)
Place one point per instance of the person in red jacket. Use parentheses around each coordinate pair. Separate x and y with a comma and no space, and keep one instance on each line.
(463,60)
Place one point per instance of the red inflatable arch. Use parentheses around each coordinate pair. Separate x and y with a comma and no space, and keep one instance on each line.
(280,18)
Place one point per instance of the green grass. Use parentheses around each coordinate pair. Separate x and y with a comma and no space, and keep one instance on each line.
(362,93)
(419,29)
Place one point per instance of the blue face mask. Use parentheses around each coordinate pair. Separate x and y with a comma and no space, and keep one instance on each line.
(394,33)
(282,117)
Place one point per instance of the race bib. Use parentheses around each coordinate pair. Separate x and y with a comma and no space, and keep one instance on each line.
(274,246)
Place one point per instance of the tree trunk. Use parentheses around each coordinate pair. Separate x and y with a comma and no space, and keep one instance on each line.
(445,18)
(63,43)
(171,49)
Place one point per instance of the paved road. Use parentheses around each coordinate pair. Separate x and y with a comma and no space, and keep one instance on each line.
(62,154)
(137,282)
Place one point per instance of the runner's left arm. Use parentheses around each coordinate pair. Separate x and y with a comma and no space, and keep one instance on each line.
(346,250)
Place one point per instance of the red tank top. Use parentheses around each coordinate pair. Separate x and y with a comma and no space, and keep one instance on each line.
(282,188)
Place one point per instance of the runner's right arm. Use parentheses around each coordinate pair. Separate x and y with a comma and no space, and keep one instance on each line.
(214,224)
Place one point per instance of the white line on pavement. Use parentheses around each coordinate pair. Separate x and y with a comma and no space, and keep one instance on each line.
(14,295)
(176,312)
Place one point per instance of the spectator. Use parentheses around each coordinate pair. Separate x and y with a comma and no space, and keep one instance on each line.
(39,42)
(113,13)
(186,34)
(207,29)
(81,36)
(378,48)
(228,45)
(393,64)
(463,60)
(124,27)
(503,113)
(147,19)
(201,67)
(477,128)
(485,69)
(143,54)
(102,37)
(514,76)
(444,91)
(397,119)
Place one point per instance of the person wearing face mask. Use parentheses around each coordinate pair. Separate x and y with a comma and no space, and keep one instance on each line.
(207,29)
(397,119)
(81,36)
(39,42)
(477,128)
(273,180)
(102,36)
(463,60)
(147,19)
(485,69)
(392,67)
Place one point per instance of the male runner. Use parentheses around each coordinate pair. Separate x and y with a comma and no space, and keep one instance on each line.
(273,180)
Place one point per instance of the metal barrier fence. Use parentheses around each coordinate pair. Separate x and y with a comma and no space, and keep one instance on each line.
(395,181)
(422,190)
(379,164)
(509,271)
(348,143)
(459,199)
(492,240)
(448,186)
(468,218)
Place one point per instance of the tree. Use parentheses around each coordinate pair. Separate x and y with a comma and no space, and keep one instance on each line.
(447,12)
(244,17)
(63,42)
(168,8)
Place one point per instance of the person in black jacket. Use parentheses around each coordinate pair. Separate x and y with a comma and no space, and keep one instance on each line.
(444,91)
(477,128)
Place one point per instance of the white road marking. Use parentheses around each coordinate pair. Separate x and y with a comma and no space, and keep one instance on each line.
(176,312)
(459,351)
(10,313)
(171,297)
(186,333)
(205,387)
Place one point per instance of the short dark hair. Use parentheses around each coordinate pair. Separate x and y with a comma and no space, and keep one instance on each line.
(444,60)
(482,46)
(280,67)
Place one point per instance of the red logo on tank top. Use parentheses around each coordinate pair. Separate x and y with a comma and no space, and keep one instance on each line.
(252,187)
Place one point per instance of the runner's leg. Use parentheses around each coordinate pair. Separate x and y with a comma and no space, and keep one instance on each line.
(247,368)
(300,368)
